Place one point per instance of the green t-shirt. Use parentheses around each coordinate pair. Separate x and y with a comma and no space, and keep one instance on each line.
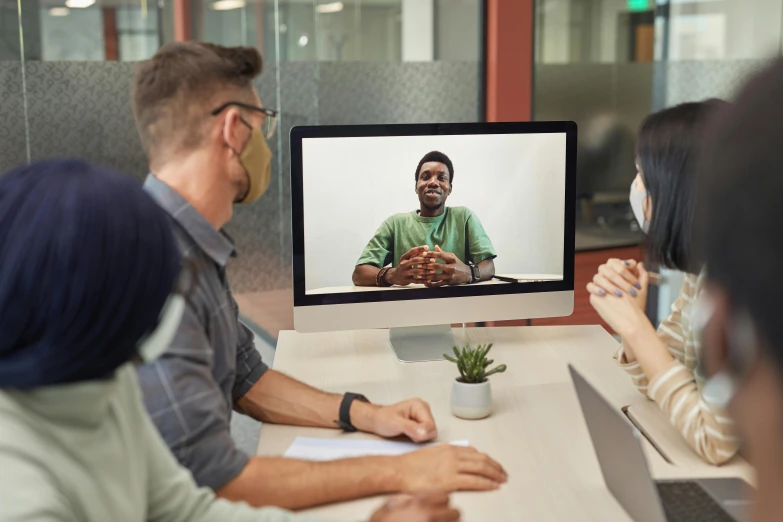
(457,230)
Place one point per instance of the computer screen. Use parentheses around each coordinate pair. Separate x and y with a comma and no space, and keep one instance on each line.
(495,196)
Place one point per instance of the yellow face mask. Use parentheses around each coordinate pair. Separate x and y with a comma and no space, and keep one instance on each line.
(257,160)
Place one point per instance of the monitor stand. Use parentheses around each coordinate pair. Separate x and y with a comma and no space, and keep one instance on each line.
(422,343)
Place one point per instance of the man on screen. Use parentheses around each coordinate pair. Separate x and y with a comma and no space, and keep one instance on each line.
(435,245)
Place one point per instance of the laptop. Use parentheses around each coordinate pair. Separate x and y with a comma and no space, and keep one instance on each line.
(620,454)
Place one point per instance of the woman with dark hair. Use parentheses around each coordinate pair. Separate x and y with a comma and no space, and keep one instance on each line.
(739,233)
(90,284)
(663,364)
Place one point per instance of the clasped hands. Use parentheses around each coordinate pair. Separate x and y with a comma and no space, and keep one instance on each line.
(618,292)
(429,268)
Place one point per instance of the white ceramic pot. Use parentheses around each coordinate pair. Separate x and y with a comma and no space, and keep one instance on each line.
(471,401)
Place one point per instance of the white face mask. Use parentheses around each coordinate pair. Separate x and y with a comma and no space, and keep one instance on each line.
(637,199)
(717,390)
(157,341)
(720,389)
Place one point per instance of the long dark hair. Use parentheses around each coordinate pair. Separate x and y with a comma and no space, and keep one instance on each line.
(739,223)
(667,152)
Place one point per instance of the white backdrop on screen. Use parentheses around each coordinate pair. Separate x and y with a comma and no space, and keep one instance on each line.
(514,183)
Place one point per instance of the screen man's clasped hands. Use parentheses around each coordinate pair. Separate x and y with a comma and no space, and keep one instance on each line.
(435,268)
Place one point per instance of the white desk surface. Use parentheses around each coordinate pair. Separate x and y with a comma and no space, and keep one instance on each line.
(522,278)
(536,430)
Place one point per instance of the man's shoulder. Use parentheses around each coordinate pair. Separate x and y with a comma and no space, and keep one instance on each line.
(190,251)
(460,213)
(184,242)
(400,218)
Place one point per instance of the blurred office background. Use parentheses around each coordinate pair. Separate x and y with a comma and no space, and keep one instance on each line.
(66,66)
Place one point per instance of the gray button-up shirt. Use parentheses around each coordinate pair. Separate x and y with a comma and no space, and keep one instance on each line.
(190,391)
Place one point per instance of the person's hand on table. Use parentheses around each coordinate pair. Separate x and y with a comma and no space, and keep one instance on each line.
(451,271)
(414,267)
(422,507)
(449,468)
(412,418)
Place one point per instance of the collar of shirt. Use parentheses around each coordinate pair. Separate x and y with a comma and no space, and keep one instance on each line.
(215,243)
(83,403)
(437,219)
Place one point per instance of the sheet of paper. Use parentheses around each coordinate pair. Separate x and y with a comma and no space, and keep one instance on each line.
(332,449)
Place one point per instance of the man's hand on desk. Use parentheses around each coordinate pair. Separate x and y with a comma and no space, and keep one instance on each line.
(448,468)
(423,507)
(412,418)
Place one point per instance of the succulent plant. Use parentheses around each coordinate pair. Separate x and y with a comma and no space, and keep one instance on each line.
(473,363)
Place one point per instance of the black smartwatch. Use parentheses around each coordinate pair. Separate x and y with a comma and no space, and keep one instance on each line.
(345,411)
(475,273)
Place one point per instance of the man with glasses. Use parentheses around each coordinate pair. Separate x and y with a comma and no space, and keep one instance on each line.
(204,130)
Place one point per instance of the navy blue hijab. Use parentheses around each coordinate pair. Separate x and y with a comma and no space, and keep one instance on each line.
(87,260)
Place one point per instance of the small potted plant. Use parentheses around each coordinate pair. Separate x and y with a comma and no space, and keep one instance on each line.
(471,394)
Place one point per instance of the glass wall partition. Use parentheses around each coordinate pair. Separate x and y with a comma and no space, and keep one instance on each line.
(608,63)
(65,90)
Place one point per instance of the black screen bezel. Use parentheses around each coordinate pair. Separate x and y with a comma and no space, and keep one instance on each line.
(298,134)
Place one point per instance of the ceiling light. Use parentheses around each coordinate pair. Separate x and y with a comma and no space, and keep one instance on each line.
(59,11)
(303,40)
(227,5)
(332,7)
(79,4)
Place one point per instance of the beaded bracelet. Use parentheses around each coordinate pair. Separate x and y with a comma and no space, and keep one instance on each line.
(380,279)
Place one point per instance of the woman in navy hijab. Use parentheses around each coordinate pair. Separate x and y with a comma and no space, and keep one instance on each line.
(90,284)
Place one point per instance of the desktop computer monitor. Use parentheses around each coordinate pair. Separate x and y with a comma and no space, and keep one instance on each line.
(483,197)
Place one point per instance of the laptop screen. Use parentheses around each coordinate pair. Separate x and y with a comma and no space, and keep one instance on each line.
(620,455)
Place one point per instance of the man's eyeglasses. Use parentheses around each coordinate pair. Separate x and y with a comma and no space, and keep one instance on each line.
(269,125)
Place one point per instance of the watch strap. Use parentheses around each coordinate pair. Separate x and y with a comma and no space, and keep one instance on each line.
(344,422)
(474,273)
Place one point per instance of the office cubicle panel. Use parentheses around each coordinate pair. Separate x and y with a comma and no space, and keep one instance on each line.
(13,141)
(82,109)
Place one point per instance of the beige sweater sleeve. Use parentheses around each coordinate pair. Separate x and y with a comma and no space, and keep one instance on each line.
(708,432)
(670,332)
(633,369)
(676,391)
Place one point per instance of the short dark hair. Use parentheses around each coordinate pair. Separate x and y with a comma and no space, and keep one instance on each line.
(740,219)
(438,157)
(174,91)
(667,152)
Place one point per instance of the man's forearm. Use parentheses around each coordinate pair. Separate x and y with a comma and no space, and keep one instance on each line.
(297,484)
(364,275)
(487,269)
(279,399)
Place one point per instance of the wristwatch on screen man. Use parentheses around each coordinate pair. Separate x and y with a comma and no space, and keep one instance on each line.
(475,273)
(345,411)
